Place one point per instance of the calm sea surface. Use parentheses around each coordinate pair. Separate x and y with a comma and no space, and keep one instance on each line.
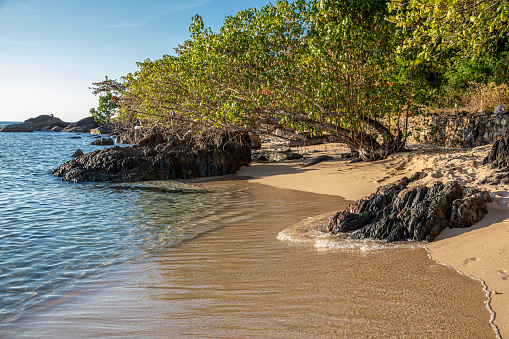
(54,233)
(223,259)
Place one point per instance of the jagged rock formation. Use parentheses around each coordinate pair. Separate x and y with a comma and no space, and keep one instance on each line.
(40,123)
(499,153)
(151,160)
(82,126)
(396,212)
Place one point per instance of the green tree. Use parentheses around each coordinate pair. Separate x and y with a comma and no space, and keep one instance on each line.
(106,110)
(435,26)
(311,67)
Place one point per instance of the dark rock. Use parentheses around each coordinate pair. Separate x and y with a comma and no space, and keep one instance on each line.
(275,156)
(499,153)
(103,142)
(318,160)
(169,160)
(40,123)
(396,212)
(46,122)
(82,126)
(151,140)
(24,127)
(78,153)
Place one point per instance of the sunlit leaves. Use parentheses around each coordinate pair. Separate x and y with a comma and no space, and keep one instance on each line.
(307,65)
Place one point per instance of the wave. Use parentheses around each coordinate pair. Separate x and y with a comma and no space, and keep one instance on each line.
(310,231)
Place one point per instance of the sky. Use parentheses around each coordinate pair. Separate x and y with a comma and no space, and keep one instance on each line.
(51,51)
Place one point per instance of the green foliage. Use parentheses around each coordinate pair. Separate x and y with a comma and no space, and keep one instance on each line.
(460,44)
(483,69)
(437,25)
(315,66)
(355,69)
(106,110)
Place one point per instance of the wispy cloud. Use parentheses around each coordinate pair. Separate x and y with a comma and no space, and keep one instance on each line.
(144,21)
(21,43)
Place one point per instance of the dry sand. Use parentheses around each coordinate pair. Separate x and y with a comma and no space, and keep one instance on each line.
(481,251)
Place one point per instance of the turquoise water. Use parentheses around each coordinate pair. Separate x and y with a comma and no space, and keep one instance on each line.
(54,233)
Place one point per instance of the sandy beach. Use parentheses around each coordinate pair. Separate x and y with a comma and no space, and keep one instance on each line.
(481,251)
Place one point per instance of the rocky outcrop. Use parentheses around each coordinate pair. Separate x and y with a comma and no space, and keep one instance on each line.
(24,127)
(396,212)
(103,142)
(82,126)
(167,160)
(40,123)
(499,153)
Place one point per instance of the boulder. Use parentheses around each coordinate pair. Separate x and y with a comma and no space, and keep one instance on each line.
(103,142)
(82,126)
(78,153)
(40,123)
(168,160)
(57,129)
(499,153)
(396,212)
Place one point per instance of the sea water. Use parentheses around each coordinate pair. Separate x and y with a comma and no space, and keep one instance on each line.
(54,233)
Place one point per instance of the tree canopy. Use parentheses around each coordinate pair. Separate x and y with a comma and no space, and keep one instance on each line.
(323,67)
(106,110)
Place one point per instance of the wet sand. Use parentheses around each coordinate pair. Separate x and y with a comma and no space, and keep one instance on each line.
(240,281)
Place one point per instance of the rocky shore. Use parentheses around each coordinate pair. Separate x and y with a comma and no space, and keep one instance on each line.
(396,212)
(158,158)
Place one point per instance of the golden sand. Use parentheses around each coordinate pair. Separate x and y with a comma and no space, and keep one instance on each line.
(481,251)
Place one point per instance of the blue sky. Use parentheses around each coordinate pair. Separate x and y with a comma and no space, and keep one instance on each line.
(52,50)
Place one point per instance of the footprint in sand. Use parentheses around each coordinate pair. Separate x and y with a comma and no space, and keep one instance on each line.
(469,260)
(504,273)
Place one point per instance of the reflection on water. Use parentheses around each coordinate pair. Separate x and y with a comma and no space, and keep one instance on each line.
(54,233)
(240,281)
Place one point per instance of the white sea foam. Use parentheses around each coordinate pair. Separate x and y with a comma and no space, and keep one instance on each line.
(309,231)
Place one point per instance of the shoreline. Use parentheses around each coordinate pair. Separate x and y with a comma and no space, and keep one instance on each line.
(463,250)
(240,280)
